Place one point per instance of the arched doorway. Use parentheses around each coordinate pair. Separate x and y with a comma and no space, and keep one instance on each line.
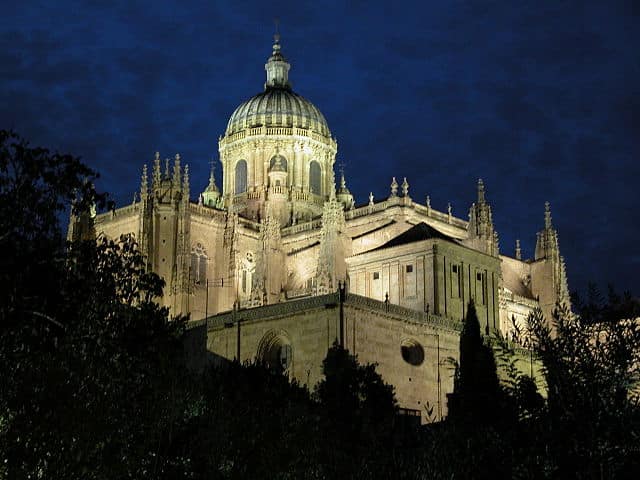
(275,351)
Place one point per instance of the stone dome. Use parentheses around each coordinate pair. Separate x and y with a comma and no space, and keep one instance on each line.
(278,105)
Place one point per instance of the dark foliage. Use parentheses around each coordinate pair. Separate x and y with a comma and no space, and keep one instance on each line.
(476,398)
(596,309)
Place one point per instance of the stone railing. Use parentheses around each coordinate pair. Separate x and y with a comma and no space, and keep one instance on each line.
(207,211)
(119,212)
(514,297)
(366,210)
(300,292)
(402,312)
(406,202)
(278,190)
(274,310)
(302,132)
(301,227)
(250,224)
(332,299)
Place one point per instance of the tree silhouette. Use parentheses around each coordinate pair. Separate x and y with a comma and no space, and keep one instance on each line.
(88,358)
(476,397)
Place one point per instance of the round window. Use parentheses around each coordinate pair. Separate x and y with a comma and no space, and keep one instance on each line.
(412,352)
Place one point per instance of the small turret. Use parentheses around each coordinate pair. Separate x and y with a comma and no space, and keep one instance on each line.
(550,279)
(343,194)
(481,231)
(211,194)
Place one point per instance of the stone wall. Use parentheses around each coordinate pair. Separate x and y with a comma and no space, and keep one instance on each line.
(373,330)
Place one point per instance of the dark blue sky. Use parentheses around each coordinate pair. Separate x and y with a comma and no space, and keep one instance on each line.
(541,101)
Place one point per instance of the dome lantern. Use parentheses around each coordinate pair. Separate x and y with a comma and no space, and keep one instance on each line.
(277,68)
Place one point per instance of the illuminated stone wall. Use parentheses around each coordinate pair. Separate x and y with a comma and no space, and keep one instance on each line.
(374,331)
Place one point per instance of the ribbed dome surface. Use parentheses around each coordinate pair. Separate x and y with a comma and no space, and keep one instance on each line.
(278,107)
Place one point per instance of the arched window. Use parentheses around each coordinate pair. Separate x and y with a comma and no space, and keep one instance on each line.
(241,177)
(283,162)
(315,178)
(198,264)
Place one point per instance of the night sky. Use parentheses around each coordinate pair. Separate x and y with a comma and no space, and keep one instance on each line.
(541,101)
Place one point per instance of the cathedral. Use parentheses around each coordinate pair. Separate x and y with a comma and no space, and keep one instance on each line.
(277,261)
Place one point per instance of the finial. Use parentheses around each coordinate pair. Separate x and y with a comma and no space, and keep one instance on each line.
(449,212)
(405,187)
(518,251)
(547,215)
(276,36)
(428,202)
(157,156)
(394,187)
(371,199)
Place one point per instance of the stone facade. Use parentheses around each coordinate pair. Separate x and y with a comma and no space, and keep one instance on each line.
(273,245)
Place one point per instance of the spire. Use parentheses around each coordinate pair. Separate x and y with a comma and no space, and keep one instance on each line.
(176,170)
(343,183)
(343,194)
(547,239)
(185,184)
(547,215)
(212,187)
(156,171)
(480,191)
(143,182)
(277,67)
(211,195)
